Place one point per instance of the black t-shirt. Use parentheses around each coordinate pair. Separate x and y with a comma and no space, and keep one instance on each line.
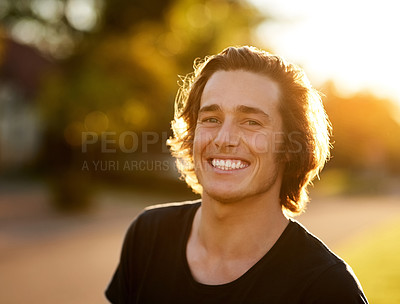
(153,268)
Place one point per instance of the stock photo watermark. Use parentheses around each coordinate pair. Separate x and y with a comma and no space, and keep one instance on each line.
(125,142)
(129,142)
(126,165)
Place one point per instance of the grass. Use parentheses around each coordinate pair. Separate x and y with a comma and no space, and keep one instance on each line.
(375,259)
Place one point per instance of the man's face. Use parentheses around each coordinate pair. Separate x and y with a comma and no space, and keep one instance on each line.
(237,136)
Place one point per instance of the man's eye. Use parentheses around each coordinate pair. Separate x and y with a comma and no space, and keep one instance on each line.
(210,120)
(253,123)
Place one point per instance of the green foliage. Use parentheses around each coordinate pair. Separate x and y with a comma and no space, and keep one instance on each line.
(118,70)
(122,76)
(375,260)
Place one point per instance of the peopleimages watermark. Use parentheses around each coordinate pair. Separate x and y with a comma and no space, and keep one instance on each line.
(128,141)
(127,165)
(110,141)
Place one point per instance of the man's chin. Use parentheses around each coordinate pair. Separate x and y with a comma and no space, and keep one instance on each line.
(224,197)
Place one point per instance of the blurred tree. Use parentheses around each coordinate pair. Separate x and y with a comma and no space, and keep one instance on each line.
(117,63)
(366,133)
(56,27)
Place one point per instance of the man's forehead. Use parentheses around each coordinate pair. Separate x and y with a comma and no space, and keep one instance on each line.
(240,90)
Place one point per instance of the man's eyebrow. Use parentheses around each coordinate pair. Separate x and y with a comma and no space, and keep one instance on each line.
(210,108)
(241,109)
(251,110)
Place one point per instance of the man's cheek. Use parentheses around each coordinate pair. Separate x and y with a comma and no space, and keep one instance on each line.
(203,137)
(260,143)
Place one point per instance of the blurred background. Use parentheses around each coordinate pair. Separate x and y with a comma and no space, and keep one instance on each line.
(86,98)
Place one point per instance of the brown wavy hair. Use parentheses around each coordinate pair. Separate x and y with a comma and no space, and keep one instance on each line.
(306,126)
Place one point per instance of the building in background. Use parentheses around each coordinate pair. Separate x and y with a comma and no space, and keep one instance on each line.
(21,71)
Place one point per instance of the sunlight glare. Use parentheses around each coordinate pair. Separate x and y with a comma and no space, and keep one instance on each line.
(82,14)
(350,42)
(28,31)
(50,10)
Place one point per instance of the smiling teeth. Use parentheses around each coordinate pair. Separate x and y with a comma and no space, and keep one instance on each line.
(228,164)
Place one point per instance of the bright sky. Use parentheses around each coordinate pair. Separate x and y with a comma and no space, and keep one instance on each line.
(354,42)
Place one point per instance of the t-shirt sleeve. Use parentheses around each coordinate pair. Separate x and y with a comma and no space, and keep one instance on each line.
(118,290)
(337,284)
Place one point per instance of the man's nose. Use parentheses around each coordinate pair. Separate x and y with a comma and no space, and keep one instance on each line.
(228,135)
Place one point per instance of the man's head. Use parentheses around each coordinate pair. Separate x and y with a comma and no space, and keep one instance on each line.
(303,134)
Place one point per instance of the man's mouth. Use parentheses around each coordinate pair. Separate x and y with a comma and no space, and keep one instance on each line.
(229,164)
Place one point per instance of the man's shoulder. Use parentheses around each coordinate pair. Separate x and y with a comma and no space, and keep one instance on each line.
(308,255)
(168,213)
(170,209)
(321,270)
(330,279)
(312,248)
(162,221)
(173,206)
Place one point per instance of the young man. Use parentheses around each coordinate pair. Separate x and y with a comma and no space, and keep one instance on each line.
(250,133)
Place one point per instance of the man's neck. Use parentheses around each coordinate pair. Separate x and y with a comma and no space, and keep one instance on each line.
(236,229)
(227,239)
